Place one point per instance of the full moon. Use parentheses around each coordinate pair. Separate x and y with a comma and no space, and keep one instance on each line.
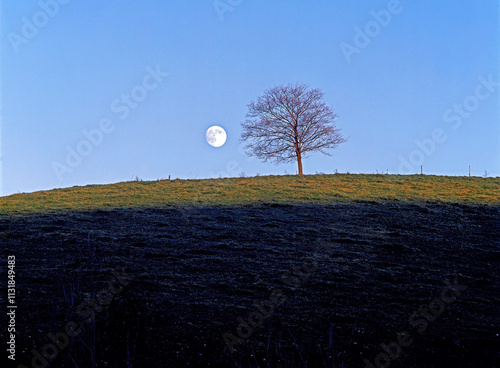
(216,136)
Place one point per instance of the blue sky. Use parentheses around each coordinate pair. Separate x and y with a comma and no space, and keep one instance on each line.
(131,87)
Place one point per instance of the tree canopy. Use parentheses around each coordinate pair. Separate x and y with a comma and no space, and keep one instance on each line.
(289,121)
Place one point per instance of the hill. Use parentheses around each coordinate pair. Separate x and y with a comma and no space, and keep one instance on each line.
(279,271)
(320,189)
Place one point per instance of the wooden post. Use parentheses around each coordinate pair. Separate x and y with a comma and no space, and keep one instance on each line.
(469,171)
(421,170)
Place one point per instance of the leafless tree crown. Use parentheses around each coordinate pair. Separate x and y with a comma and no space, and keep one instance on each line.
(289,121)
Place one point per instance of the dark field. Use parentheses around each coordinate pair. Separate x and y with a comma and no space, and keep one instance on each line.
(354,274)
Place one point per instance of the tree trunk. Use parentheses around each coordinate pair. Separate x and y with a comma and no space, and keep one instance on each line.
(297,151)
(299,162)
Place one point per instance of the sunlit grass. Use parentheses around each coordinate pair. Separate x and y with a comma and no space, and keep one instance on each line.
(322,189)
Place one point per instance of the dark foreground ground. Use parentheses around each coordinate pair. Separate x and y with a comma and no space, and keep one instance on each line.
(331,284)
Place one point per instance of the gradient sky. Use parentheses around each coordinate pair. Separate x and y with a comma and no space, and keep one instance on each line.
(413,82)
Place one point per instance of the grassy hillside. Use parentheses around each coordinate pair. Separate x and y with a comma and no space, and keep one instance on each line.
(351,273)
(237,191)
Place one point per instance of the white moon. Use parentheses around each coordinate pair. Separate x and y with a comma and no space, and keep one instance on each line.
(216,136)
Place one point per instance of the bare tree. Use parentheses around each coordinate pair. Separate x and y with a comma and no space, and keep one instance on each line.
(287,122)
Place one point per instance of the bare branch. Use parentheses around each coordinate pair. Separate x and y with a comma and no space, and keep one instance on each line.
(289,121)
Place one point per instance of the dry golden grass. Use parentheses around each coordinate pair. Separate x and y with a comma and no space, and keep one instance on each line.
(240,191)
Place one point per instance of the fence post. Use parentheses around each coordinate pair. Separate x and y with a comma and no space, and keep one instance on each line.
(421,170)
(469,171)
